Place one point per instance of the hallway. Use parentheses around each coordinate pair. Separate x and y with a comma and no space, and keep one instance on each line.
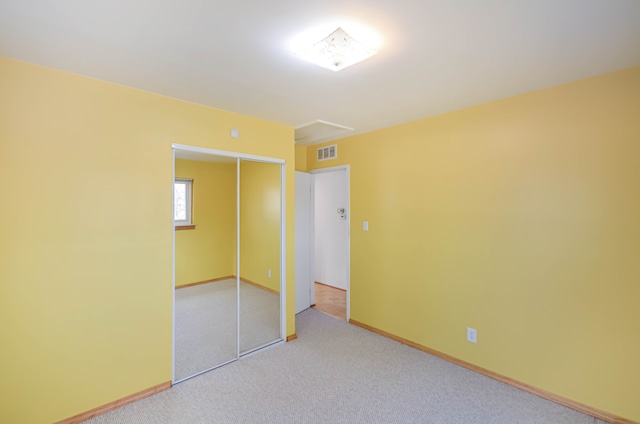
(331,301)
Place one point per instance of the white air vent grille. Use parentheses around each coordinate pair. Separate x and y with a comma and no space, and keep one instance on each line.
(329,152)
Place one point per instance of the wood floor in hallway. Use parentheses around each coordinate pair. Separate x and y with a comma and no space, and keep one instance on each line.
(330,300)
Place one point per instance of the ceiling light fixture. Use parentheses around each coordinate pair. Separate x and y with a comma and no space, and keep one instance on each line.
(336,51)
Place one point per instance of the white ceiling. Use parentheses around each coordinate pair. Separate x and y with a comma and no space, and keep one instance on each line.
(437,56)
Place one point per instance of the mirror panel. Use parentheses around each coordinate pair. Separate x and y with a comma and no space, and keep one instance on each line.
(260,219)
(205,268)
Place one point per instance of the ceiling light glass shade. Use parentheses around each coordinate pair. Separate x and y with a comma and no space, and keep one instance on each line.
(336,51)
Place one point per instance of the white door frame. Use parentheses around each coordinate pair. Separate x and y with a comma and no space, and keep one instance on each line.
(300,231)
(345,168)
(283,239)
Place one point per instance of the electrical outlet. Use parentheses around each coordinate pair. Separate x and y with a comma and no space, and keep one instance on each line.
(472,335)
(269,273)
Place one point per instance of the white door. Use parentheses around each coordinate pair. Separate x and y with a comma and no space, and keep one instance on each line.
(331,209)
(304,242)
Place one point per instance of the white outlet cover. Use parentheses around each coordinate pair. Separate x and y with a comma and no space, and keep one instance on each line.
(472,335)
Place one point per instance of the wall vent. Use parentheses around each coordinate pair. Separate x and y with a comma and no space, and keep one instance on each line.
(329,152)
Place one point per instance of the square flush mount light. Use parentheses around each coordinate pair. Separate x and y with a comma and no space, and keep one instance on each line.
(337,51)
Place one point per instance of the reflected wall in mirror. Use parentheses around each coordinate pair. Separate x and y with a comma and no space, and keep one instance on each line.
(260,204)
(205,267)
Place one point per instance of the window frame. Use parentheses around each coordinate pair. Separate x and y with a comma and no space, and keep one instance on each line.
(184,224)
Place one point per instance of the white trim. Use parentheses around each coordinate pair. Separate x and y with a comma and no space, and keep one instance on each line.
(203,371)
(312,242)
(173,270)
(237,257)
(255,349)
(347,169)
(283,252)
(348,182)
(330,169)
(225,153)
(320,121)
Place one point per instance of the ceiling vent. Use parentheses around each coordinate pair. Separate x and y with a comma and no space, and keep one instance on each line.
(318,131)
(328,152)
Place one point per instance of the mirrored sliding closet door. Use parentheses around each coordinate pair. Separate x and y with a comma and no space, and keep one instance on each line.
(206,307)
(227,254)
(260,218)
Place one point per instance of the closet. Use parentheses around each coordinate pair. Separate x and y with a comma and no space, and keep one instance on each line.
(228,263)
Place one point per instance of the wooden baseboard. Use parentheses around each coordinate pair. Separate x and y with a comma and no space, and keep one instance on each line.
(594,412)
(116,404)
(205,282)
(327,285)
(292,337)
(260,286)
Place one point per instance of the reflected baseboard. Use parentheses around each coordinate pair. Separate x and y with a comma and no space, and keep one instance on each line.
(260,286)
(229,277)
(213,280)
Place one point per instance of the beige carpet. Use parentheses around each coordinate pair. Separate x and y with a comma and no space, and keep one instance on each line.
(338,373)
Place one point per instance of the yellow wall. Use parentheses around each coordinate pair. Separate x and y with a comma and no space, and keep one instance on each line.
(209,250)
(85,264)
(520,218)
(260,223)
(301,158)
